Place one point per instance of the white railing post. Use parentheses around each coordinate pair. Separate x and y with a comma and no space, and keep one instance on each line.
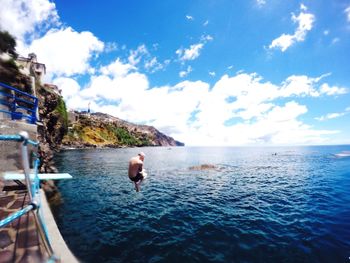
(25,163)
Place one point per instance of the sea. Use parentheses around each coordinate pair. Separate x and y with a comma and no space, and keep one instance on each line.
(268,204)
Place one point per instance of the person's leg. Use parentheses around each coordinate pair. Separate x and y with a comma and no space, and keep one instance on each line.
(137,186)
(138,180)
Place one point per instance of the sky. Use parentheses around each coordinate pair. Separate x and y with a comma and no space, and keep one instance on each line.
(206,72)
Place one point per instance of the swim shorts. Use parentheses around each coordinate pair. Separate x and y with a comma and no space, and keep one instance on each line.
(137,178)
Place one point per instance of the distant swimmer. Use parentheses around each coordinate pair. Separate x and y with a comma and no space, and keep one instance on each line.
(136,171)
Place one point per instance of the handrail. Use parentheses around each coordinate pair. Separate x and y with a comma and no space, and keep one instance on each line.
(16,215)
(13,105)
(33,191)
(18,91)
(17,138)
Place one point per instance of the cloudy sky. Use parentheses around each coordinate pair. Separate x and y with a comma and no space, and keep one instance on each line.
(206,72)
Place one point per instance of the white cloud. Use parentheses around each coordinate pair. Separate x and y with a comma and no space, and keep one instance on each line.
(166,62)
(37,28)
(206,38)
(283,42)
(68,86)
(305,22)
(136,55)
(193,51)
(190,53)
(153,65)
(189,17)
(212,73)
(22,17)
(242,109)
(70,89)
(303,7)
(117,68)
(276,125)
(330,116)
(142,58)
(155,46)
(116,87)
(261,2)
(290,111)
(184,73)
(72,96)
(72,50)
(335,40)
(334,90)
(299,86)
(347,12)
(111,46)
(206,23)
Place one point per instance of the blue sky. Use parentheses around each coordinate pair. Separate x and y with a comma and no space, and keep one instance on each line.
(213,72)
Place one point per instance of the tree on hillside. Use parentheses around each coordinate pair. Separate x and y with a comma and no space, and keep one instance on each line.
(8,43)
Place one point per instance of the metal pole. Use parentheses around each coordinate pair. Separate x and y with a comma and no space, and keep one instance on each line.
(16,215)
(25,163)
(35,112)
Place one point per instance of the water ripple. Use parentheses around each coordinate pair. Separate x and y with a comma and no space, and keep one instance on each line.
(259,205)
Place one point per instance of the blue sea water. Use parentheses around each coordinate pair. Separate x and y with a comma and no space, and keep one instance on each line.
(289,204)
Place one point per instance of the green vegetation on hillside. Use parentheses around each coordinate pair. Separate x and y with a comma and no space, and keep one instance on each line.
(97,133)
(9,72)
(125,138)
(7,43)
(61,109)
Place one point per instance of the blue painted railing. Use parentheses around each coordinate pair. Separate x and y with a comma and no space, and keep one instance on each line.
(33,188)
(15,100)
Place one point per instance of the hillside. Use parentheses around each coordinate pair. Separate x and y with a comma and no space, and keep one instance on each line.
(103,130)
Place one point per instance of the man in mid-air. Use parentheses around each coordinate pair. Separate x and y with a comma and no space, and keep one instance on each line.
(136,171)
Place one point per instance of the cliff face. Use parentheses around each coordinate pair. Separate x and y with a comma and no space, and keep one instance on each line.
(9,70)
(53,126)
(103,130)
(10,74)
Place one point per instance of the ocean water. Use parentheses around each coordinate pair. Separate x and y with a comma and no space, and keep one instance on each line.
(289,204)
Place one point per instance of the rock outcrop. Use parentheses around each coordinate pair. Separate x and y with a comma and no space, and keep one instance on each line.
(203,167)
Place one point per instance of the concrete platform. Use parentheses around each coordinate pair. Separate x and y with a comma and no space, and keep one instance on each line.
(21,240)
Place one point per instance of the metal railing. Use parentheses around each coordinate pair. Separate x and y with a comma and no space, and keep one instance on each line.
(33,189)
(20,105)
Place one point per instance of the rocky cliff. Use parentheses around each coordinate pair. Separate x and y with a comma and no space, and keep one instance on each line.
(52,126)
(103,130)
